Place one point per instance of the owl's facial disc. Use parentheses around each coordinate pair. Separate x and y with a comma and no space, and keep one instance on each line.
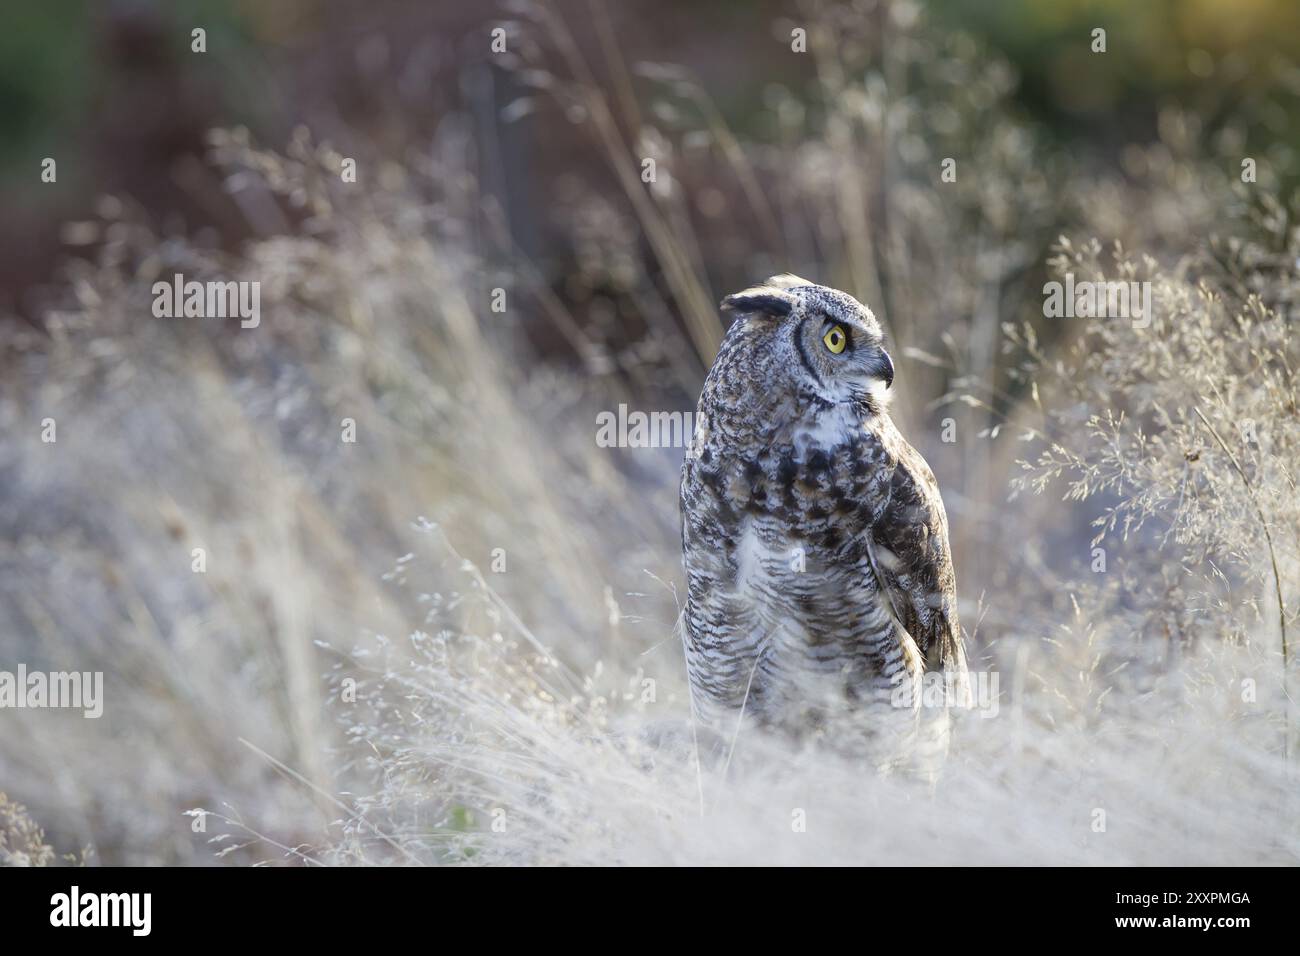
(832,342)
(844,355)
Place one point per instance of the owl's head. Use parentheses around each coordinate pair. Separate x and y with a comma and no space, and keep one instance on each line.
(832,342)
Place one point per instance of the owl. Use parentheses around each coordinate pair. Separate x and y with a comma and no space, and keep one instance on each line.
(814,538)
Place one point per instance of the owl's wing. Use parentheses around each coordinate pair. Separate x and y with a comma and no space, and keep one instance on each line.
(908,547)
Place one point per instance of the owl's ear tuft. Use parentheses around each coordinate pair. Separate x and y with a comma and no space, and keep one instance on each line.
(763,299)
(787,281)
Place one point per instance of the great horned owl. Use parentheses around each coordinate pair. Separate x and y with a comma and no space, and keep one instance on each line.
(815,542)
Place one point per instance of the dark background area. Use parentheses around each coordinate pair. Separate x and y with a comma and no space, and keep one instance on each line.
(113,92)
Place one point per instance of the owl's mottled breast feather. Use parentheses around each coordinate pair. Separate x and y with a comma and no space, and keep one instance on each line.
(868,502)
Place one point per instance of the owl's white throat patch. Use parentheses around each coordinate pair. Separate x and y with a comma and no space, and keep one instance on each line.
(877,392)
(828,428)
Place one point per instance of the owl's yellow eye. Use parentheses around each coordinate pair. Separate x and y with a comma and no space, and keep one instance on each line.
(836,339)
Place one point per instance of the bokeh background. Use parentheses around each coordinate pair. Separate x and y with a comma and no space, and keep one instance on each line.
(521,171)
(114,92)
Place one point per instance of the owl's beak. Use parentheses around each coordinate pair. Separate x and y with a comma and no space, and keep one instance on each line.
(885,368)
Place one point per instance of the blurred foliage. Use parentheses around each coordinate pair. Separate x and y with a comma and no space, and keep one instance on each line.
(1211,57)
(105,89)
(44,80)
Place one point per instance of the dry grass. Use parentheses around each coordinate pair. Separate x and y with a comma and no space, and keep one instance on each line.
(22,842)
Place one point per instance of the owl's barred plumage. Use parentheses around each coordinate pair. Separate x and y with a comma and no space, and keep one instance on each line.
(814,538)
